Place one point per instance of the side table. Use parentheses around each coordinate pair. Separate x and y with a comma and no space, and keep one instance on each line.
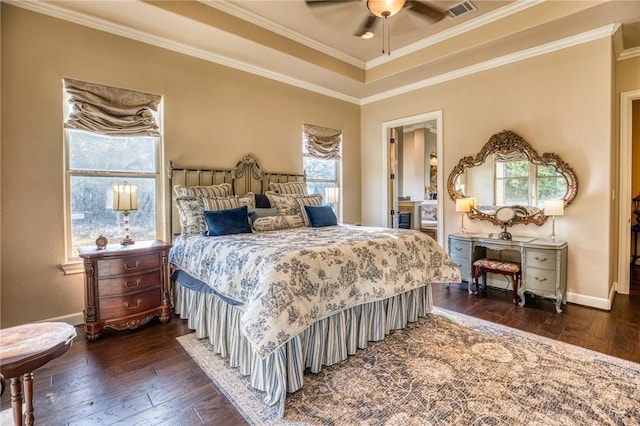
(25,348)
(125,286)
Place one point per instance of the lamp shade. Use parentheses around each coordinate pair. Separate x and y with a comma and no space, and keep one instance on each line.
(125,197)
(463,205)
(554,207)
(331,195)
(385,8)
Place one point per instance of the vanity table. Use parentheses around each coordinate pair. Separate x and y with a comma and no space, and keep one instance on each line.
(543,262)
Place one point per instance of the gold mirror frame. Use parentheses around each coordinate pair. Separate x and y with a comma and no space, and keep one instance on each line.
(508,142)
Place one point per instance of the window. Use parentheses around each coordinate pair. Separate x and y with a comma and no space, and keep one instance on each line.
(95,164)
(111,137)
(513,186)
(321,174)
(322,161)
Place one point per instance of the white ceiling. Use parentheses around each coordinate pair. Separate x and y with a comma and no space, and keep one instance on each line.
(314,47)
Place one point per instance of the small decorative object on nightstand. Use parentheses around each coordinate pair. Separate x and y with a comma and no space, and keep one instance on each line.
(101,242)
(125,286)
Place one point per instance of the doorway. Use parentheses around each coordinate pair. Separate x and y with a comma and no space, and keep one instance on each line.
(413,165)
(629,114)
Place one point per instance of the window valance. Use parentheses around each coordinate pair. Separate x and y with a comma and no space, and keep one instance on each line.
(110,110)
(321,142)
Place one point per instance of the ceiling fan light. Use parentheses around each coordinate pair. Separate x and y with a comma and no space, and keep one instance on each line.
(385,8)
(366,35)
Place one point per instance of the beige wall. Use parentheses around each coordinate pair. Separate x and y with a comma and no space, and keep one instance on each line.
(212,116)
(559,102)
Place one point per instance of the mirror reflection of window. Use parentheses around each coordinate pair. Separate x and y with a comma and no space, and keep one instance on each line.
(523,183)
(512,183)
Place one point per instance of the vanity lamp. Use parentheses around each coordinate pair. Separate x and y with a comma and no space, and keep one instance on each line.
(553,208)
(125,199)
(464,205)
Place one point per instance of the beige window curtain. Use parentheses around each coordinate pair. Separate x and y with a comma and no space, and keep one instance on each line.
(110,111)
(321,142)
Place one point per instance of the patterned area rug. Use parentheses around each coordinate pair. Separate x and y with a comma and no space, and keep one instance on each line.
(448,369)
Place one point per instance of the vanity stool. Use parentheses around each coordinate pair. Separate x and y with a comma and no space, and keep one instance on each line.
(508,269)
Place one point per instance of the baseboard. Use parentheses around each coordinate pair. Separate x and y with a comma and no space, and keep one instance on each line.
(593,302)
(73,319)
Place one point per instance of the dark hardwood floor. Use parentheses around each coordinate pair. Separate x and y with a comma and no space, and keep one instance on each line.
(144,377)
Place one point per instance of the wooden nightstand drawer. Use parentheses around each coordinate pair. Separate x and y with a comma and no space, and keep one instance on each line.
(128,264)
(122,306)
(128,283)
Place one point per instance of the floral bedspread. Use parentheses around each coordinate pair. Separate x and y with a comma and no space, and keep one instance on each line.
(286,280)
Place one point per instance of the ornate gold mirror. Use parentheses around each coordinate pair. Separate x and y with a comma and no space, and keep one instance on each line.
(509,172)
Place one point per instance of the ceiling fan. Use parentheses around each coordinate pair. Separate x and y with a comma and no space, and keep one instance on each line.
(385,9)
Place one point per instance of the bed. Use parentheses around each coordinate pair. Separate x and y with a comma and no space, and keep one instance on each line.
(294,296)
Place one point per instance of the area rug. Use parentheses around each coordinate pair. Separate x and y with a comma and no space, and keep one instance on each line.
(448,369)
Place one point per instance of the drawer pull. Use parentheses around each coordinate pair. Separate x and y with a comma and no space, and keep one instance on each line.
(134,285)
(126,304)
(541,279)
(540,259)
(130,268)
(458,248)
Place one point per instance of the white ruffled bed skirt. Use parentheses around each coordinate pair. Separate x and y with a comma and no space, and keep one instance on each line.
(326,342)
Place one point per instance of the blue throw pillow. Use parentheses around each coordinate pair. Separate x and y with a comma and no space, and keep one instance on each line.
(321,216)
(227,222)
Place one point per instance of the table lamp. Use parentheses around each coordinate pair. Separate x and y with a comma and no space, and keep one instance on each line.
(553,208)
(332,196)
(463,205)
(125,199)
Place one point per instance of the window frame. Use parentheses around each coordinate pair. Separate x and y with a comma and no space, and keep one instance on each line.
(337,181)
(73,264)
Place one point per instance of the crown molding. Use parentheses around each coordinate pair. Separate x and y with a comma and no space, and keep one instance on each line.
(482,20)
(258,20)
(124,31)
(629,53)
(585,37)
(128,32)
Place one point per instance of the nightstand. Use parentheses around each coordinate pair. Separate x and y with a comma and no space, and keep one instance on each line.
(125,286)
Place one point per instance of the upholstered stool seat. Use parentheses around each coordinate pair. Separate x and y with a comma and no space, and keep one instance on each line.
(495,266)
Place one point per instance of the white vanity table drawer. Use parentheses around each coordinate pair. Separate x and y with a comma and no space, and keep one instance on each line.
(545,259)
(458,248)
(462,262)
(543,280)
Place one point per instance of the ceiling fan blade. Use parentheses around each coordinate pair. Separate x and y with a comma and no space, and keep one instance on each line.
(425,10)
(366,26)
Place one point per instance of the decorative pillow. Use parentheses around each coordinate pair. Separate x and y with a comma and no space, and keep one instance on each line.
(288,204)
(309,200)
(321,216)
(211,191)
(227,222)
(258,213)
(248,200)
(191,210)
(220,203)
(262,202)
(289,188)
(274,223)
